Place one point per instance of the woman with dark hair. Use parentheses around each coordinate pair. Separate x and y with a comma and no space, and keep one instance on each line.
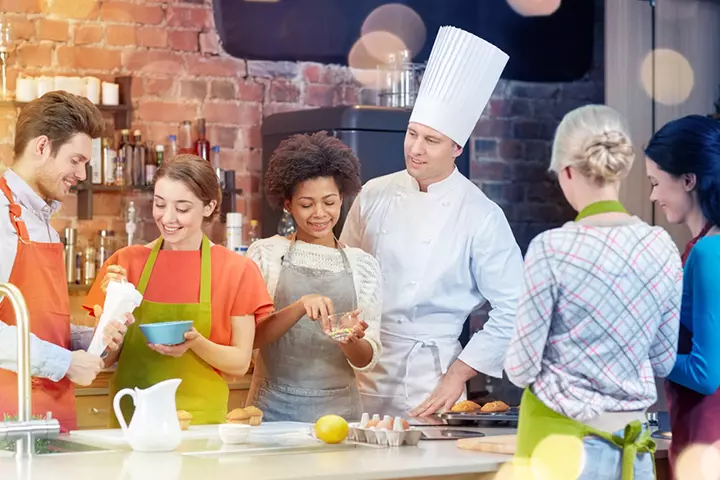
(301,373)
(683,165)
(183,276)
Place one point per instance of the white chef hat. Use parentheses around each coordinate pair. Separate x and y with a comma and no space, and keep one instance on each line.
(459,79)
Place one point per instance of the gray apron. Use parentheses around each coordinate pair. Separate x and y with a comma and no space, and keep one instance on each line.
(304,375)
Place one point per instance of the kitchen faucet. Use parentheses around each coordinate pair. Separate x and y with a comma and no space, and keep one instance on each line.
(24,430)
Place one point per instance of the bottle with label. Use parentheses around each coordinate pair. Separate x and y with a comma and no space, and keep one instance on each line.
(185,143)
(172,148)
(90,265)
(150,163)
(159,156)
(109,162)
(254,233)
(125,156)
(234,232)
(139,155)
(96,166)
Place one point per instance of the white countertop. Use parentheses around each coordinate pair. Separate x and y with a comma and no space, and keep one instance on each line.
(429,458)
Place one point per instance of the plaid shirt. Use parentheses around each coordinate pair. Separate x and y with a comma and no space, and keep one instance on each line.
(599,317)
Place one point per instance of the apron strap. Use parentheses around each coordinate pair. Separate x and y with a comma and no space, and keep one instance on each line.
(15,212)
(205,272)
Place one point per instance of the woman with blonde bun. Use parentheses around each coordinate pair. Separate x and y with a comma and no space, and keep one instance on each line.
(598,319)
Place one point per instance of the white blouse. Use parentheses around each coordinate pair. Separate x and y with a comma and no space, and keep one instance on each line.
(267,254)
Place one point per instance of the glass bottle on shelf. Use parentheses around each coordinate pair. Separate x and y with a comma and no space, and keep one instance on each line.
(139,155)
(215,162)
(159,155)
(185,141)
(125,156)
(202,146)
(172,148)
(150,162)
(254,233)
(109,161)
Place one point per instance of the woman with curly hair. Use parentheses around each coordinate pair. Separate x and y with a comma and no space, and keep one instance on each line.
(301,373)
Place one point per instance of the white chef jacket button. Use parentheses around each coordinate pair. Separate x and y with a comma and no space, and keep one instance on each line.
(445,204)
(427,240)
(383,231)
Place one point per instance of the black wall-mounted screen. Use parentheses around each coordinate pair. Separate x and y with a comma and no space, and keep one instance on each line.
(555,48)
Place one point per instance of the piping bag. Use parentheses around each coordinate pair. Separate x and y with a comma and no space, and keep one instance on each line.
(120,298)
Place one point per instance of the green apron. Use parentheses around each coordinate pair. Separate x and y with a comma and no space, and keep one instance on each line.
(203,392)
(537,421)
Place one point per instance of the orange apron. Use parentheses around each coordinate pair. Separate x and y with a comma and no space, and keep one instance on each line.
(39,273)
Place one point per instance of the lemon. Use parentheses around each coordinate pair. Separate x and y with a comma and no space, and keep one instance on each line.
(331,429)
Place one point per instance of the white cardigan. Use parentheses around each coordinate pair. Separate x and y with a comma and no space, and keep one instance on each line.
(267,254)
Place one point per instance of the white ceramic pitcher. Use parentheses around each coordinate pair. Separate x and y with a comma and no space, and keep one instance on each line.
(154,426)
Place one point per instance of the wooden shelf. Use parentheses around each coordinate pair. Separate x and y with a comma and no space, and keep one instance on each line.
(84,187)
(122,112)
(78,288)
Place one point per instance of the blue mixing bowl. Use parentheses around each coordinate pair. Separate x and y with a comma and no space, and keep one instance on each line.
(166,333)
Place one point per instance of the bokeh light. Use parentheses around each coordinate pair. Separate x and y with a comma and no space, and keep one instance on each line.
(370,52)
(558,457)
(68,8)
(399,20)
(698,462)
(674,78)
(534,8)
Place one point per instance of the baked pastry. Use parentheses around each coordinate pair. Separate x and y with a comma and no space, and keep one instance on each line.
(497,406)
(185,418)
(465,406)
(255,415)
(248,416)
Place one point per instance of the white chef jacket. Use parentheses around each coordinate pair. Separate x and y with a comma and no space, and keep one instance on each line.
(442,253)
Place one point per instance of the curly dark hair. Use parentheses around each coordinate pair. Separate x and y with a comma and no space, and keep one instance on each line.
(304,157)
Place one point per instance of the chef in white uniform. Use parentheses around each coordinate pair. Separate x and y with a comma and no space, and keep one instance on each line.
(444,248)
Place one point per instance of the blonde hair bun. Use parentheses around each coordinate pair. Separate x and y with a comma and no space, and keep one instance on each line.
(594,140)
(608,156)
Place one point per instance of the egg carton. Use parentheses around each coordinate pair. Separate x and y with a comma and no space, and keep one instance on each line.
(383,436)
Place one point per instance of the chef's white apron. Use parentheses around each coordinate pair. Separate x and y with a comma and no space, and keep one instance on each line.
(410,367)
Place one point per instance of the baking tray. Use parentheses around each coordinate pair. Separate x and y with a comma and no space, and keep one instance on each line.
(438,433)
(508,418)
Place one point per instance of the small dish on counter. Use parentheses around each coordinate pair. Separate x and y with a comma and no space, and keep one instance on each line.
(234,433)
(166,333)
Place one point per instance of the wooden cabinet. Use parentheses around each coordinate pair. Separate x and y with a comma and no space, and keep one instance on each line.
(94,405)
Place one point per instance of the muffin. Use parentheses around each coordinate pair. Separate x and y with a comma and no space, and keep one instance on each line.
(255,415)
(465,406)
(185,419)
(248,416)
(495,407)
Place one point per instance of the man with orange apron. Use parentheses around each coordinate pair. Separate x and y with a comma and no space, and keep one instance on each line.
(53,143)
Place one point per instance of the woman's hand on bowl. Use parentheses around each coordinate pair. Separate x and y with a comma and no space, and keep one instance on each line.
(358,331)
(191,336)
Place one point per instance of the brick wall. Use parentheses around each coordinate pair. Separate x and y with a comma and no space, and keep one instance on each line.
(180,72)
